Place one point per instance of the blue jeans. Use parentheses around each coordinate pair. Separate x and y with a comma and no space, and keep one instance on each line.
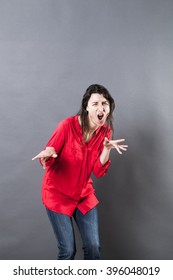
(64,232)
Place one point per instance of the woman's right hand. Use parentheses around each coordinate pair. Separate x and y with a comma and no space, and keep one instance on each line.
(45,155)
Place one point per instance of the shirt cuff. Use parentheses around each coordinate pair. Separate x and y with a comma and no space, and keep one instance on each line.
(100,169)
(48,162)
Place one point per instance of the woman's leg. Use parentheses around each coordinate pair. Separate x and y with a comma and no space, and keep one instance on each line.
(88,227)
(64,232)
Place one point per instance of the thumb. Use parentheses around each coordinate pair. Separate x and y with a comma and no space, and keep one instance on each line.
(54,155)
(106,141)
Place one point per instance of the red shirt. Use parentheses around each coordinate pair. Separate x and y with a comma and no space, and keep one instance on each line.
(66,182)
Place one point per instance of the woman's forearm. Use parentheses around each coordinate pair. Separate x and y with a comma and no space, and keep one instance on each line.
(104,157)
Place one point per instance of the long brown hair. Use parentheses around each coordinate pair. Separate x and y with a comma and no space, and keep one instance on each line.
(95,88)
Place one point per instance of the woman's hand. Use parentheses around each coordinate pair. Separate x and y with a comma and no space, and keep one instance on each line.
(45,155)
(115,144)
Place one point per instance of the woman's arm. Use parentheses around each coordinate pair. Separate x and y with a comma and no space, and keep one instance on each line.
(108,146)
(54,145)
(45,155)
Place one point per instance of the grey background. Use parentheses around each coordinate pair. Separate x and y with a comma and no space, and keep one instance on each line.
(50,52)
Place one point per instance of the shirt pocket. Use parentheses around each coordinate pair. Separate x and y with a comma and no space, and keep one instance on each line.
(73,154)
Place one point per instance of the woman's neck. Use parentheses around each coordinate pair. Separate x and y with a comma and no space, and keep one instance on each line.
(90,132)
(88,135)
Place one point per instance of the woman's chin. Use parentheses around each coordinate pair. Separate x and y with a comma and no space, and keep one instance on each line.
(101,122)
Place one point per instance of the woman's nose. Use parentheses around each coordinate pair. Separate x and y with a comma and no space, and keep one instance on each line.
(101,108)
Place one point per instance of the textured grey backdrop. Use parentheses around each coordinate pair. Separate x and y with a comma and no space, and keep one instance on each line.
(50,52)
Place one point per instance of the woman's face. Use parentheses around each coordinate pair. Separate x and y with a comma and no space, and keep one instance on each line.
(98,110)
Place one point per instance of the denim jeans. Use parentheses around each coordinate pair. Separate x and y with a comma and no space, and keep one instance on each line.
(64,232)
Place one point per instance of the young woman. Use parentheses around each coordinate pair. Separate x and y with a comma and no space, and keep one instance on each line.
(79,146)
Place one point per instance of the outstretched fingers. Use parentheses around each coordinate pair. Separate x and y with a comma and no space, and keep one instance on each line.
(45,154)
(123,147)
(40,155)
(118,146)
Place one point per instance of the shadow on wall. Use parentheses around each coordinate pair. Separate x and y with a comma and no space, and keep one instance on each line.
(135,204)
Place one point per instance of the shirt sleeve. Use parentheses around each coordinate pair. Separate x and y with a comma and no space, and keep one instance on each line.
(99,169)
(56,141)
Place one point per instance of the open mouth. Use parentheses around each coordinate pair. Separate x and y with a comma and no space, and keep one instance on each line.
(100,116)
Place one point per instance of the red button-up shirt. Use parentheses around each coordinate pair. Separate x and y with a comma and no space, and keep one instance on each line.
(66,182)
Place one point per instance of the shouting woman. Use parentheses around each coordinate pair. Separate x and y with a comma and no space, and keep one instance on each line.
(79,146)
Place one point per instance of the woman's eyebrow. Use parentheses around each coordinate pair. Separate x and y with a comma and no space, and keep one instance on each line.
(103,102)
(106,101)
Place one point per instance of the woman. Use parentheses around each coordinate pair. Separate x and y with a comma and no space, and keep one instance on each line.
(79,146)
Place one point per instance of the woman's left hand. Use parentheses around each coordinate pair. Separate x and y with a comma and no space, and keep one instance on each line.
(115,144)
